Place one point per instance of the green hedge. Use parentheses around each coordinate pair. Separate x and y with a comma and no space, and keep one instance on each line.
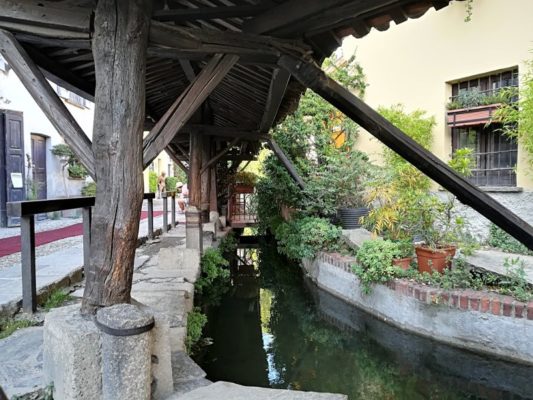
(152,181)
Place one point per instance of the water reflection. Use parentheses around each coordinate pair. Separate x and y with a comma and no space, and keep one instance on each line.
(274,329)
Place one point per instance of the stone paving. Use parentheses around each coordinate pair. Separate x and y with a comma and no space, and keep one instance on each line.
(57,269)
(231,391)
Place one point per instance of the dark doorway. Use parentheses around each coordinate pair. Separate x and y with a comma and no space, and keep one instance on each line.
(38,156)
(12,163)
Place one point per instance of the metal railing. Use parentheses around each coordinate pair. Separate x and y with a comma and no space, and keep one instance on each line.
(26,211)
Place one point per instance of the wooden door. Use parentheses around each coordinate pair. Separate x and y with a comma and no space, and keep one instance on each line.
(38,156)
(12,175)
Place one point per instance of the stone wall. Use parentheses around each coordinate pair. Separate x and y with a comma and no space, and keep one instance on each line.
(518,202)
(478,321)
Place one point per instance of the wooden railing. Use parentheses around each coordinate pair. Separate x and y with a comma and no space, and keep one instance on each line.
(26,211)
(240,207)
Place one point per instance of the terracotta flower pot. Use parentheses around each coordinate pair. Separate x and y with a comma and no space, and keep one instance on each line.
(430,260)
(403,263)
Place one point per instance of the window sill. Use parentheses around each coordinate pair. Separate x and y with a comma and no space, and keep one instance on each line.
(501,189)
(494,189)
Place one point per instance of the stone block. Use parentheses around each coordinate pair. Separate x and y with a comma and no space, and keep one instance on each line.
(126,357)
(162,382)
(72,355)
(356,237)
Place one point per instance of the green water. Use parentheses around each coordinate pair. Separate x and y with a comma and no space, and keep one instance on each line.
(275,329)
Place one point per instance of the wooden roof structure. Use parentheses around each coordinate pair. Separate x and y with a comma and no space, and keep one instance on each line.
(184,36)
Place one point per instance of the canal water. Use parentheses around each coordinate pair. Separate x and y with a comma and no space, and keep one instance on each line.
(274,328)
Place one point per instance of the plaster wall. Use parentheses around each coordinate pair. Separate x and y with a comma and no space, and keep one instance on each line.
(14,96)
(414,62)
(481,332)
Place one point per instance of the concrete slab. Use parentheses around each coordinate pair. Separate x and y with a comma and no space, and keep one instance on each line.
(21,362)
(230,391)
(494,261)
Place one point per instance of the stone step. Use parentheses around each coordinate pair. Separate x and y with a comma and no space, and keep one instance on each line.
(21,362)
(231,391)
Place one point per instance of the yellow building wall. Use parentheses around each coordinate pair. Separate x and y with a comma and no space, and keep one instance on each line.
(411,63)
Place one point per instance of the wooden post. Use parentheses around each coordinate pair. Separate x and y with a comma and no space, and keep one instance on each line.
(194,169)
(150,218)
(213,195)
(205,178)
(355,109)
(164,196)
(119,49)
(29,291)
(87,215)
(173,210)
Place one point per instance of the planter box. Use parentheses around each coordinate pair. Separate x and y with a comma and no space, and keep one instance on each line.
(471,116)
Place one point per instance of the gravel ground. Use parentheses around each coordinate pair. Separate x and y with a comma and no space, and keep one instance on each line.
(41,250)
(40,226)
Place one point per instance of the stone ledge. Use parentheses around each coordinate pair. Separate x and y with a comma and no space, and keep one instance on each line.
(462,299)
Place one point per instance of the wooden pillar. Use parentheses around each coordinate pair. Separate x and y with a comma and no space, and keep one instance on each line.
(205,176)
(213,195)
(119,49)
(194,169)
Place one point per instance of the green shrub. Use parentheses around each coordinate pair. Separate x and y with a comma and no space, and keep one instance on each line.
(213,267)
(170,183)
(195,325)
(77,171)
(9,326)
(502,240)
(305,237)
(515,283)
(152,181)
(89,189)
(56,299)
(375,263)
(228,244)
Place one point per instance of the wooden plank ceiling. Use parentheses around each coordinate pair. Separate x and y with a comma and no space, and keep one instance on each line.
(185,35)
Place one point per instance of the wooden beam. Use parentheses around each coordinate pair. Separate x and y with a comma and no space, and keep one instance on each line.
(333,17)
(60,75)
(186,105)
(291,169)
(188,69)
(208,13)
(278,86)
(49,102)
(315,79)
(119,47)
(223,131)
(44,18)
(174,155)
(221,154)
(287,13)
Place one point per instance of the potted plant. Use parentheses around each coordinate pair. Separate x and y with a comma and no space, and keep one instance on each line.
(404,257)
(440,231)
(338,187)
(244,182)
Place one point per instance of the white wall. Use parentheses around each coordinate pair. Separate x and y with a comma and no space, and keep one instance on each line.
(14,96)
(411,63)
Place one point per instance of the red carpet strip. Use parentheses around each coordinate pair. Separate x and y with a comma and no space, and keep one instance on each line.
(11,244)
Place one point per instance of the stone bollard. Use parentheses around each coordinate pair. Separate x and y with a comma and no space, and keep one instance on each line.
(193,229)
(126,352)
